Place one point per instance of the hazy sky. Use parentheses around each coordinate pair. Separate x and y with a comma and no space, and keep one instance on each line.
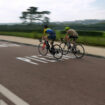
(61,10)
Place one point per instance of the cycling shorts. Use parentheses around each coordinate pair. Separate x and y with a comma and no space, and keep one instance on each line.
(52,37)
(73,37)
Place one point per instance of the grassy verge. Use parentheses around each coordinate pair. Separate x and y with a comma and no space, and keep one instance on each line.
(87,40)
(94,41)
(22,34)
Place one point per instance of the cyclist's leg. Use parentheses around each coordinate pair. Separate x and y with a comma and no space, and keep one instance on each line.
(69,42)
(74,38)
(67,39)
(52,38)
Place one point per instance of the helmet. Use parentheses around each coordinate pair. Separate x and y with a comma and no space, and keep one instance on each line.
(67,28)
(45,26)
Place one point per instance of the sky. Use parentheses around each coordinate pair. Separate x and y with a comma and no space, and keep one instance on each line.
(61,10)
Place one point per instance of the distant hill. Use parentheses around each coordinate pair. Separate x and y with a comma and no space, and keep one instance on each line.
(89,24)
(9,23)
(84,22)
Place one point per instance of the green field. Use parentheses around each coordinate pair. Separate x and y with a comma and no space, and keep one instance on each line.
(84,39)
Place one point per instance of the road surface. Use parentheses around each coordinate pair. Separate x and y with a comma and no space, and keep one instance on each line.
(27,78)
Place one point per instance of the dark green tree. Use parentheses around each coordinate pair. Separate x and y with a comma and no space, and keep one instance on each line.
(32,14)
(24,17)
(46,20)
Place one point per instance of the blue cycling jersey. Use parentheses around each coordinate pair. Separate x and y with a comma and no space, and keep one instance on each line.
(50,32)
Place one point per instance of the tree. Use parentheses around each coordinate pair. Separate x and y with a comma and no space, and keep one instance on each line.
(46,20)
(32,14)
(24,17)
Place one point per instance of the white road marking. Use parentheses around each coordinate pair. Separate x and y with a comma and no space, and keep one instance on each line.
(71,56)
(40,58)
(47,56)
(11,45)
(63,57)
(26,60)
(3,45)
(36,59)
(44,59)
(8,45)
(66,57)
(3,102)
(11,96)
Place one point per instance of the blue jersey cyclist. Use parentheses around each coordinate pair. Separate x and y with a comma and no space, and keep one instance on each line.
(49,34)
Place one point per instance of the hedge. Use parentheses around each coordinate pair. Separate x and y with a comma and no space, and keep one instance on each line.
(87,33)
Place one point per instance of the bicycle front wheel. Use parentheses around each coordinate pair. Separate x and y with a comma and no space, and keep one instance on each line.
(78,51)
(42,48)
(57,51)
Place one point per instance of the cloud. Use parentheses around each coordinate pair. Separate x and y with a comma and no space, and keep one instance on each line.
(61,10)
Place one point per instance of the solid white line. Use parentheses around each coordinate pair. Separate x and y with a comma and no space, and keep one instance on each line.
(8,45)
(3,103)
(12,45)
(26,60)
(11,96)
(36,59)
(3,45)
(44,59)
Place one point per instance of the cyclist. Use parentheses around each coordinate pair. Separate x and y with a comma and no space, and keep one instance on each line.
(71,34)
(49,34)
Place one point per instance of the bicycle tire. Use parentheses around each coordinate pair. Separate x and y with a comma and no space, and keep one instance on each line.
(42,51)
(79,51)
(58,51)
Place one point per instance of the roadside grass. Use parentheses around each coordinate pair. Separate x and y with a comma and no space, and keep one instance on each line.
(22,34)
(87,40)
(104,34)
(94,41)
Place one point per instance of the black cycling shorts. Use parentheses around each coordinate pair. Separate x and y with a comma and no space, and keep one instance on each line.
(73,37)
(52,37)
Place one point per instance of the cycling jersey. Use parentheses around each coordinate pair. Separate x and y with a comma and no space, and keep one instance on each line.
(72,32)
(51,33)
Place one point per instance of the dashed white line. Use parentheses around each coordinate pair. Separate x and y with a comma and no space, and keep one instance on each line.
(44,59)
(39,58)
(11,96)
(26,60)
(36,59)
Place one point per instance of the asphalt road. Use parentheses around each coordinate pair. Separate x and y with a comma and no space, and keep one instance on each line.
(26,78)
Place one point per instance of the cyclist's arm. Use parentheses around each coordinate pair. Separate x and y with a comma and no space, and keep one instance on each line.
(44,33)
(66,36)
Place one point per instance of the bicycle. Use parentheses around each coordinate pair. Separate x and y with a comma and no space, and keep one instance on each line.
(55,50)
(77,49)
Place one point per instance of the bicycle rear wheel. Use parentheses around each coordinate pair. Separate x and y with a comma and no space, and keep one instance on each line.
(78,51)
(42,48)
(57,51)
(64,48)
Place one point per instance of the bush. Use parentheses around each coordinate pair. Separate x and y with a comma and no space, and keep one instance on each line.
(90,33)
